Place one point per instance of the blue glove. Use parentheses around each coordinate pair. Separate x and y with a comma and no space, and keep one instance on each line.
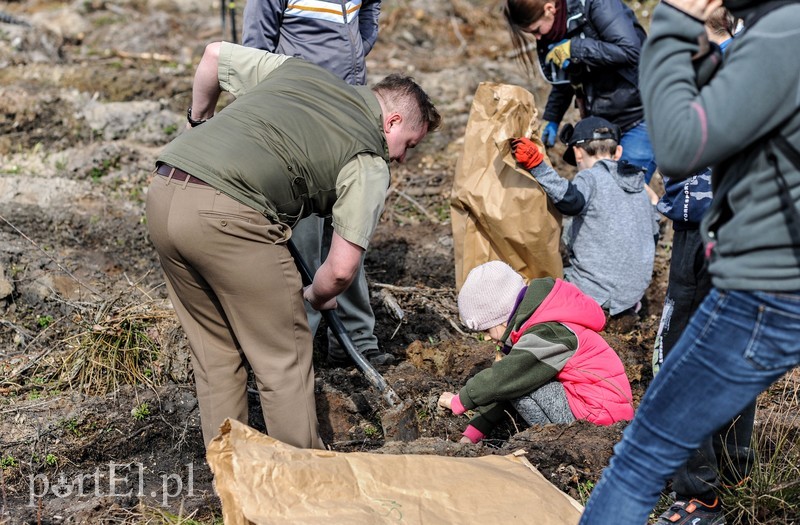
(549,133)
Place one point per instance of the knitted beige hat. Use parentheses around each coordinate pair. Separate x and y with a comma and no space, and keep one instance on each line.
(488,295)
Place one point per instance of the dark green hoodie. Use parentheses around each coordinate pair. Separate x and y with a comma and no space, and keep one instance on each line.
(756,93)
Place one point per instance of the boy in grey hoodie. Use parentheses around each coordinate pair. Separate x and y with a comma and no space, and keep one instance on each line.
(611,240)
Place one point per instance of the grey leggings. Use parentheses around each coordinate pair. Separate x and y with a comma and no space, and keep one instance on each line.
(547,404)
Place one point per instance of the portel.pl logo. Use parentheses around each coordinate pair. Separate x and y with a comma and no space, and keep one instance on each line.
(117,479)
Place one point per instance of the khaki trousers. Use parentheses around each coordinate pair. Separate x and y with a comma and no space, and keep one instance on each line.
(238,296)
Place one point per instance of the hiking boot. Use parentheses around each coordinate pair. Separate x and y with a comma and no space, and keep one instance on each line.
(339,359)
(692,512)
(378,358)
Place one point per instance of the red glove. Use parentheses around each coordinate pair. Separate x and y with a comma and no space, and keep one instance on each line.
(526,153)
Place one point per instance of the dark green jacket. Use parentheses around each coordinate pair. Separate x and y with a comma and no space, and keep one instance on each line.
(755,94)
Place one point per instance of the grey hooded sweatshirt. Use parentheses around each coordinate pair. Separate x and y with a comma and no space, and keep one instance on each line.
(611,240)
(751,237)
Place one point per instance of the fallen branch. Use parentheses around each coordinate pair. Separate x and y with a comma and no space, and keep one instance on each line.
(413,289)
(440,300)
(157,57)
(32,362)
(415,203)
(424,191)
(391,304)
(455,325)
(462,43)
(28,408)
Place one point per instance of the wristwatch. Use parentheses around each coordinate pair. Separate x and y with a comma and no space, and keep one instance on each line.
(192,122)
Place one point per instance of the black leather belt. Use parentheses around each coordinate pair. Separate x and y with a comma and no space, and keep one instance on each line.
(178,174)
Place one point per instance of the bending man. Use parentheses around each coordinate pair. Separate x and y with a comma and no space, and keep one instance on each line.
(226,196)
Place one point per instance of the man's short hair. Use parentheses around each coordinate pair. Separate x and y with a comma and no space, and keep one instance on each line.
(402,94)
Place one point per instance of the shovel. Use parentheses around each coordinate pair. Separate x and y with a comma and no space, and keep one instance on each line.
(399,422)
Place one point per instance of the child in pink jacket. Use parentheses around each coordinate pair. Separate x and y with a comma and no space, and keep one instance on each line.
(556,368)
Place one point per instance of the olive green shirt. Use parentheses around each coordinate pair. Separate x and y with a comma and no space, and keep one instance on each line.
(296,141)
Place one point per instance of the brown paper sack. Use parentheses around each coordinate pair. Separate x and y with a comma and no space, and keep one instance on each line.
(263,481)
(498,210)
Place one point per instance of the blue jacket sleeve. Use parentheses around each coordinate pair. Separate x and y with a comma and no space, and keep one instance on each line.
(368,23)
(568,198)
(261,26)
(619,42)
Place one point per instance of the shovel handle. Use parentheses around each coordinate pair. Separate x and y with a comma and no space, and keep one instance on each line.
(337,327)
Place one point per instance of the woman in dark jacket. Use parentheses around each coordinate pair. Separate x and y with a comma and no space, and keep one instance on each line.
(589,51)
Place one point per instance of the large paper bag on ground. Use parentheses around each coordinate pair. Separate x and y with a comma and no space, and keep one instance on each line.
(499,211)
(261,480)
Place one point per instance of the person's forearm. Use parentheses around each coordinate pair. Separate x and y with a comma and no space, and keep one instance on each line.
(330,280)
(368,23)
(558,102)
(566,197)
(335,274)
(517,374)
(206,89)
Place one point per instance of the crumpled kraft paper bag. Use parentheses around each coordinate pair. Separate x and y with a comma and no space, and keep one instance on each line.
(261,480)
(499,211)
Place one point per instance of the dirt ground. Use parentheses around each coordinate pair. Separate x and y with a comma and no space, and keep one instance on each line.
(89,93)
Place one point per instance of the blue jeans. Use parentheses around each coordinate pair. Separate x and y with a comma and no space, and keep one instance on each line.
(736,345)
(637,150)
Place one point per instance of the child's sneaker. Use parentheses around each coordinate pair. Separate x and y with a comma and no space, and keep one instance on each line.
(692,512)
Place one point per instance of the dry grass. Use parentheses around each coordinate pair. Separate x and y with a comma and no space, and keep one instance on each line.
(770,495)
(116,346)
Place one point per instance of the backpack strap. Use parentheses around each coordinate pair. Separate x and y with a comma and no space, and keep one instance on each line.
(788,207)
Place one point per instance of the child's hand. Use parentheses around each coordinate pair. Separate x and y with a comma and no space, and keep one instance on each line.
(652,195)
(526,153)
(446,400)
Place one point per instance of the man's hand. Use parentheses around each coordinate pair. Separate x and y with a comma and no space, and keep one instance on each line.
(317,303)
(699,9)
(548,133)
(335,274)
(560,54)
(526,153)
(446,400)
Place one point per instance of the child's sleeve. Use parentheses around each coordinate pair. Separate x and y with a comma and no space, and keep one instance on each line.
(567,197)
(533,361)
(486,418)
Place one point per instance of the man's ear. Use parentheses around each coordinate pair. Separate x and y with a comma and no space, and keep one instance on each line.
(618,153)
(550,7)
(392,119)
